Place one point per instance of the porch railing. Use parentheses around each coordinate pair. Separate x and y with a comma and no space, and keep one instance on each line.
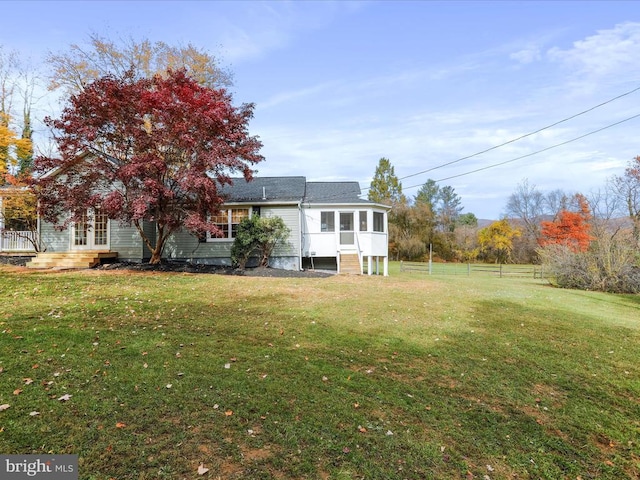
(17,241)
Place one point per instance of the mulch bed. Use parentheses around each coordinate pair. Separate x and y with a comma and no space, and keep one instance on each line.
(186,267)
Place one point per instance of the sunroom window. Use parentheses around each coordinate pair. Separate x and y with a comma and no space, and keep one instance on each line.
(327,221)
(378,222)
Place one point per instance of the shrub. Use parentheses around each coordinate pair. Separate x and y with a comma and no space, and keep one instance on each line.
(610,265)
(257,236)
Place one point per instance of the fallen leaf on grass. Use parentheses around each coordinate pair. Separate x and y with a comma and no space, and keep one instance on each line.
(34,413)
(64,397)
(121,425)
(202,469)
(362,429)
(4,406)
(27,381)
(17,391)
(228,413)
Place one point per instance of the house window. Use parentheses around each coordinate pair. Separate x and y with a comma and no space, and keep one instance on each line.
(100,228)
(378,222)
(227,221)
(327,222)
(363,221)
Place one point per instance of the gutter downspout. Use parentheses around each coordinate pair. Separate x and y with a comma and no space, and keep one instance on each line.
(301,235)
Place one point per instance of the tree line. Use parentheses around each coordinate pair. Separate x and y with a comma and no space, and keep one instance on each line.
(585,241)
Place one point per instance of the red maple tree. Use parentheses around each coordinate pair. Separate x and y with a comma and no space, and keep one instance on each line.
(154,149)
(571,229)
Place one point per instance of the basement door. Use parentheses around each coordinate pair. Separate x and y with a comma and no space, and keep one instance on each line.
(91,232)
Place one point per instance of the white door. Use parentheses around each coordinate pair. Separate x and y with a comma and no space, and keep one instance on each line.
(91,232)
(347,229)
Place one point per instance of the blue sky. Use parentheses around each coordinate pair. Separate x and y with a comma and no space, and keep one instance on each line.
(338,85)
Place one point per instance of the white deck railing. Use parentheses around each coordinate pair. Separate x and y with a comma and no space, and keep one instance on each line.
(15,241)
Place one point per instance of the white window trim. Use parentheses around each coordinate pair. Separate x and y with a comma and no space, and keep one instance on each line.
(229,210)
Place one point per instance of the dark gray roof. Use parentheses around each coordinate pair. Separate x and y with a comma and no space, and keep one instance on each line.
(333,192)
(262,189)
(292,189)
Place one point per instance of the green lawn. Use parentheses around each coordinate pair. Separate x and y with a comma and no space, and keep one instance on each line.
(408,376)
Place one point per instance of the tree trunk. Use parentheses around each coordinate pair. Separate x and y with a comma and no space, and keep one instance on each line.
(156,250)
(156,256)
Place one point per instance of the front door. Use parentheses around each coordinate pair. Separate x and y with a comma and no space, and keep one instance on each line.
(91,232)
(347,235)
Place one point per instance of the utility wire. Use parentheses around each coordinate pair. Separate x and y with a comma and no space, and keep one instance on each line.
(532,153)
(522,136)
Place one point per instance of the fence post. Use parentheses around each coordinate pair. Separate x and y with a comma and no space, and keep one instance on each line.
(401,266)
(500,270)
(468,269)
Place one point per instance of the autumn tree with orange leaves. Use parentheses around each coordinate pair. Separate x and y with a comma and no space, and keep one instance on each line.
(571,229)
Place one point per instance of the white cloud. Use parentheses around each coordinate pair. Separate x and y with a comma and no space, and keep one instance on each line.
(269,26)
(527,55)
(607,52)
(295,95)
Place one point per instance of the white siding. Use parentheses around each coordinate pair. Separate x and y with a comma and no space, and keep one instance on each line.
(326,244)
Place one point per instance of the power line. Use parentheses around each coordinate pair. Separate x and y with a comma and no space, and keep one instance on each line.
(523,136)
(533,153)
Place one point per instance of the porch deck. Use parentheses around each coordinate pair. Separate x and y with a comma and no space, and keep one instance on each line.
(79,259)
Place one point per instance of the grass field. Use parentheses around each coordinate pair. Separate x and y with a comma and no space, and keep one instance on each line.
(149,376)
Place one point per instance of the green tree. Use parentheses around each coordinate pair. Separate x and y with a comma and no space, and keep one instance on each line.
(258,236)
(385,187)
(25,157)
(449,208)
(428,194)
(468,219)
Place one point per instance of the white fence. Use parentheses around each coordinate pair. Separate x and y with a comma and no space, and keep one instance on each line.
(13,241)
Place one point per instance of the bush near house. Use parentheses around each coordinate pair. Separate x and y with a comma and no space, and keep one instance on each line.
(257,236)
